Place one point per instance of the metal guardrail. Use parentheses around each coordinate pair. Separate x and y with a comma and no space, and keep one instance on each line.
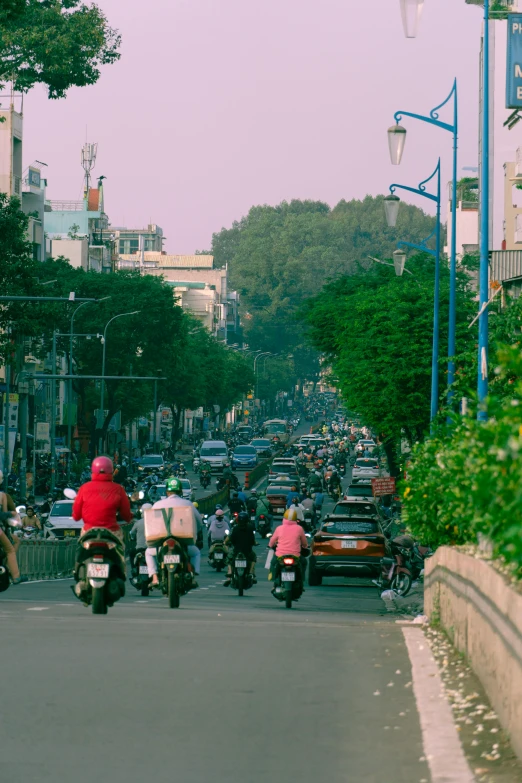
(47,559)
(258,473)
(207,504)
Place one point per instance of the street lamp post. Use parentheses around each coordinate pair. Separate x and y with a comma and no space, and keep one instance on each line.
(259,356)
(120,315)
(482,374)
(69,386)
(396,140)
(392,207)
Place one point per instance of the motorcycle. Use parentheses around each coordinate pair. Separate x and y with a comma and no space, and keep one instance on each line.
(335,493)
(141,578)
(217,558)
(174,573)
(204,480)
(196,464)
(241,578)
(288,583)
(264,526)
(418,555)
(342,469)
(396,572)
(100,566)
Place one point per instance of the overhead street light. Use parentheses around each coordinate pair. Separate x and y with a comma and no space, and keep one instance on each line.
(411,12)
(399,261)
(396,142)
(391,209)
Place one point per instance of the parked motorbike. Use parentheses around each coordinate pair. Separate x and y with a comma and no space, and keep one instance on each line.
(217,558)
(174,572)
(288,582)
(241,578)
(418,555)
(140,572)
(396,569)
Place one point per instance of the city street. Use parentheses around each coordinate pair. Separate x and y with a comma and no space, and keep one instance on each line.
(223,687)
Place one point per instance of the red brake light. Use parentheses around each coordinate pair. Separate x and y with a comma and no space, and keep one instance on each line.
(170,543)
(288,560)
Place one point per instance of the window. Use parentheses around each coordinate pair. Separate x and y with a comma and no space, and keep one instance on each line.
(134,245)
(149,244)
(122,246)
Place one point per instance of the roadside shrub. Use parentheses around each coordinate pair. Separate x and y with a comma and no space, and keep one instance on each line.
(470,481)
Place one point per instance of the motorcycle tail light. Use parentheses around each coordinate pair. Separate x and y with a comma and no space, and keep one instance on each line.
(95,543)
(170,543)
(288,560)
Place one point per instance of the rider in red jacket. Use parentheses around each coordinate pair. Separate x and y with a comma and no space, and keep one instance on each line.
(100,502)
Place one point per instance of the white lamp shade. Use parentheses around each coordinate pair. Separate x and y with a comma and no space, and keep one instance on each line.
(399,262)
(391,208)
(396,141)
(411,11)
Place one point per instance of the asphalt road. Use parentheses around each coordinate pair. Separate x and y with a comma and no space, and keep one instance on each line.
(223,688)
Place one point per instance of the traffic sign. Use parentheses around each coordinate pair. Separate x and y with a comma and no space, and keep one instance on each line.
(383,486)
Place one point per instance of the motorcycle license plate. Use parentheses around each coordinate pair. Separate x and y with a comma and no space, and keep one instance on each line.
(171,559)
(288,576)
(241,564)
(144,570)
(281,509)
(98,570)
(218,555)
(348,544)
(69,533)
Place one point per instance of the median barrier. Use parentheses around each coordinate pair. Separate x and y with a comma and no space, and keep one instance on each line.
(481,611)
(47,558)
(259,471)
(208,504)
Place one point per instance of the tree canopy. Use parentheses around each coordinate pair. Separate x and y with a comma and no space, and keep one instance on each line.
(59,43)
(278,256)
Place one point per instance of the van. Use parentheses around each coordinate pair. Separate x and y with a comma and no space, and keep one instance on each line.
(214,453)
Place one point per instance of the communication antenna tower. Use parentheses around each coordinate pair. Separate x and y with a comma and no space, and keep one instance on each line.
(88,160)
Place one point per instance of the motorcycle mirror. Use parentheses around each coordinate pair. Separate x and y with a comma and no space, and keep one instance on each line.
(21,509)
(70,494)
(141,494)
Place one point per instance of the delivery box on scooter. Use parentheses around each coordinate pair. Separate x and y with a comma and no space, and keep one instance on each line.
(176,521)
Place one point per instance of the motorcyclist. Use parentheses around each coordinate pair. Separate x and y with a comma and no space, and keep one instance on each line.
(120,475)
(7,515)
(251,503)
(335,481)
(218,529)
(45,508)
(101,503)
(315,482)
(137,535)
(288,539)
(175,498)
(235,504)
(241,539)
(205,472)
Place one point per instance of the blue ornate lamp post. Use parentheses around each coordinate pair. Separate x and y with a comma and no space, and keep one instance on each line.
(397,140)
(391,204)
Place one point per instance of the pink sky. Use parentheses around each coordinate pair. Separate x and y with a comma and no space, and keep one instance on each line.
(217,105)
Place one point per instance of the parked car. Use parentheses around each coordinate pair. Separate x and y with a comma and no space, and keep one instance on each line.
(346,546)
(262,446)
(244,457)
(60,523)
(364,470)
(150,463)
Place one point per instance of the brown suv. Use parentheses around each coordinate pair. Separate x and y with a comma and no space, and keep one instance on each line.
(346,546)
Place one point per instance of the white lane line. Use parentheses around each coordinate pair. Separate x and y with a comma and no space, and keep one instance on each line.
(204,588)
(440,739)
(48,581)
(37,609)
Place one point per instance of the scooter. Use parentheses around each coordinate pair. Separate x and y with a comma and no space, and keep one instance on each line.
(204,480)
(142,580)
(174,571)
(241,577)
(217,558)
(288,582)
(264,526)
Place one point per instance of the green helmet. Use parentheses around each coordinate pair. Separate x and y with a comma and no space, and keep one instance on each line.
(174,485)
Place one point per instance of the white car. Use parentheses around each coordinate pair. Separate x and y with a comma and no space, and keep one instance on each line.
(362,445)
(60,523)
(364,470)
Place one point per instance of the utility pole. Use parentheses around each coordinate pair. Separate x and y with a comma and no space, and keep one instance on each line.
(23,412)
(6,423)
(53,416)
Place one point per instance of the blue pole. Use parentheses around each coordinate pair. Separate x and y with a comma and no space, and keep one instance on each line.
(482,375)
(452,328)
(436,294)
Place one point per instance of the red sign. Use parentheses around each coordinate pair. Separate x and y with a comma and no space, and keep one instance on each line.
(383,486)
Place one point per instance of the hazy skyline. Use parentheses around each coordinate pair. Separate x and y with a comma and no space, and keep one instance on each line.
(217,105)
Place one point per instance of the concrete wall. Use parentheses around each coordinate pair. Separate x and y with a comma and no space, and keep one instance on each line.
(483,616)
(75,250)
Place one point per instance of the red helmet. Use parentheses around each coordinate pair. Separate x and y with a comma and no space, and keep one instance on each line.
(102,465)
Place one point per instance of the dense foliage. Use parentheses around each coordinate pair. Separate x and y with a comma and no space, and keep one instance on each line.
(59,43)
(279,256)
(470,481)
(375,330)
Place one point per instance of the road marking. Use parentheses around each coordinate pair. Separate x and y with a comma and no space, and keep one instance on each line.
(441,742)
(37,608)
(49,581)
(204,588)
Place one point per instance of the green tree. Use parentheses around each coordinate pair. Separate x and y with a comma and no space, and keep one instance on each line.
(59,43)
(280,255)
(375,330)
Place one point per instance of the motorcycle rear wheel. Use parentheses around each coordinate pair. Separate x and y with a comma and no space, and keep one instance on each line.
(173,591)
(401,584)
(145,590)
(288,600)
(240,585)
(99,605)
